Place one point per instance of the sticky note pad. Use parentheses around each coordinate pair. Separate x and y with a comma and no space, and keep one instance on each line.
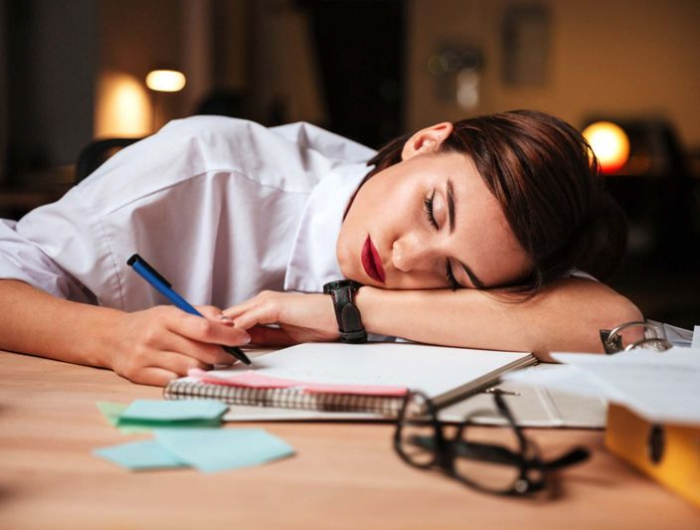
(147,454)
(188,411)
(218,450)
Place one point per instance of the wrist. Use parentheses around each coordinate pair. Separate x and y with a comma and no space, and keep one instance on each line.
(366,299)
(107,339)
(347,314)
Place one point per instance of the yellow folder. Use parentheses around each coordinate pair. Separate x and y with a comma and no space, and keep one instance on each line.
(667,453)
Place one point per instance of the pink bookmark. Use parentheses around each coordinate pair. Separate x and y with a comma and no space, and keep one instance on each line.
(251,379)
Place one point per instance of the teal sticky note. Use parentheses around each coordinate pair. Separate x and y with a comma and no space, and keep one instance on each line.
(218,450)
(112,412)
(147,454)
(187,410)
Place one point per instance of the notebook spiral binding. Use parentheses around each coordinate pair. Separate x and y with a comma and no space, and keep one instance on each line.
(291,398)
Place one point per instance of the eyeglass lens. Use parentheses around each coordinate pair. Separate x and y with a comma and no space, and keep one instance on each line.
(416,432)
(489,458)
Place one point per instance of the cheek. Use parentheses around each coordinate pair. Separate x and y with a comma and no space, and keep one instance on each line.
(508,262)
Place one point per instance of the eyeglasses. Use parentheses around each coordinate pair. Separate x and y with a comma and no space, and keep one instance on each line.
(654,337)
(502,462)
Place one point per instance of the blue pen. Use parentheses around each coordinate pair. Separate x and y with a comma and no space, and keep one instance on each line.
(162,285)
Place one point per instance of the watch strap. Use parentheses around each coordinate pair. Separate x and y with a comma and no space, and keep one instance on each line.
(347,314)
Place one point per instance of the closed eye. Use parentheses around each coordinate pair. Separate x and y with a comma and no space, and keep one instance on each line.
(428,208)
(451,280)
(449,275)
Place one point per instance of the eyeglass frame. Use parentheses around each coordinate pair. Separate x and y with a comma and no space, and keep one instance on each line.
(445,450)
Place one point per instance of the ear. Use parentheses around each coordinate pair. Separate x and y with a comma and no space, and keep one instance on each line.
(427,140)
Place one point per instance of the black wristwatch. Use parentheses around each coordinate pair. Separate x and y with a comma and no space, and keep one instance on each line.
(346,312)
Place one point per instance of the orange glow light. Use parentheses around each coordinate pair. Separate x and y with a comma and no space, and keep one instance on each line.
(123,108)
(610,145)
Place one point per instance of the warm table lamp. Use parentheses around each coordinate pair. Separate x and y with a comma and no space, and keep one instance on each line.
(163,80)
(610,145)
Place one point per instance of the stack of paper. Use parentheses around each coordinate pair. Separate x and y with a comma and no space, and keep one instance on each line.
(660,387)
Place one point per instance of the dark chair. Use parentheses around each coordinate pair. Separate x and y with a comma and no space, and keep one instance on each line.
(97,152)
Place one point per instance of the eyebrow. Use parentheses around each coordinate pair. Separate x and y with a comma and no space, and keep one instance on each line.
(476,282)
(451,205)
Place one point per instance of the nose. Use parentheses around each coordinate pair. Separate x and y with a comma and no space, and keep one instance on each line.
(411,254)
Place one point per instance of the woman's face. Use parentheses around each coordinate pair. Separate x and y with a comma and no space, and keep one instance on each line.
(429,222)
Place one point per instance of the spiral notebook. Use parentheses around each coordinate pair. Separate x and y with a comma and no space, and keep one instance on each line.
(367,377)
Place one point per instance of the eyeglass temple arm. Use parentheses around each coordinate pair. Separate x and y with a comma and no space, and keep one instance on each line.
(575,456)
(473,450)
(487,453)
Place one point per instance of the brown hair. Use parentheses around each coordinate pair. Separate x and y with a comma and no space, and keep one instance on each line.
(547,180)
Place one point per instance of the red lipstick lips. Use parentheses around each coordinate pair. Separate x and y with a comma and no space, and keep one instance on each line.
(372,262)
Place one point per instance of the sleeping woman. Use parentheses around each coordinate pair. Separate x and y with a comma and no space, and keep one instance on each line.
(491,232)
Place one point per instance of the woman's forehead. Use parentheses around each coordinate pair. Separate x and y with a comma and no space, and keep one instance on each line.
(483,233)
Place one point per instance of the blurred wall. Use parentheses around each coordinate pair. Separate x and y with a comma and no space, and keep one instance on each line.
(284,66)
(135,37)
(51,100)
(3,92)
(623,58)
(232,33)
(205,39)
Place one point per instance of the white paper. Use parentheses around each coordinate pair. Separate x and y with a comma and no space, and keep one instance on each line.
(661,387)
(696,338)
(435,370)
(675,335)
(559,378)
(532,406)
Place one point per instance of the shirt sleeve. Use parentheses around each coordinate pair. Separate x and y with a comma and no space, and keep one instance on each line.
(21,259)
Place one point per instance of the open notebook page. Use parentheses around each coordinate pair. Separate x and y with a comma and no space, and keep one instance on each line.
(445,374)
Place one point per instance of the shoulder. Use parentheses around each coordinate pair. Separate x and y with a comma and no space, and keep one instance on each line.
(310,136)
(194,147)
(302,136)
(209,128)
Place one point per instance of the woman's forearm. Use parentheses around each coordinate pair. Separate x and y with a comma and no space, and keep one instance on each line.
(565,316)
(38,323)
(152,346)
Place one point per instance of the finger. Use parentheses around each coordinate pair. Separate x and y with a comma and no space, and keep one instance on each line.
(207,331)
(202,351)
(264,336)
(214,313)
(177,363)
(238,309)
(155,376)
(259,315)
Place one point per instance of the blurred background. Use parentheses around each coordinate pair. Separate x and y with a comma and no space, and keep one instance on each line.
(73,73)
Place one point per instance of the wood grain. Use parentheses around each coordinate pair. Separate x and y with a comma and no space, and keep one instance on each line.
(343,476)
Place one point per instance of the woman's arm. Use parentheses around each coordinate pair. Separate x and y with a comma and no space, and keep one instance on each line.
(565,316)
(148,347)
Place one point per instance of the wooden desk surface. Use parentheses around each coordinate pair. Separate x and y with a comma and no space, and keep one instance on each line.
(343,476)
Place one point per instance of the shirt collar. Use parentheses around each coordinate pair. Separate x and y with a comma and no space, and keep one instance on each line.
(314,261)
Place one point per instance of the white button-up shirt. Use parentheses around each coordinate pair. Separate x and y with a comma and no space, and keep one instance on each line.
(222,208)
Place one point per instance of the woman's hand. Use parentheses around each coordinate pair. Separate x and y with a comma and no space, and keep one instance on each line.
(301,318)
(162,343)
